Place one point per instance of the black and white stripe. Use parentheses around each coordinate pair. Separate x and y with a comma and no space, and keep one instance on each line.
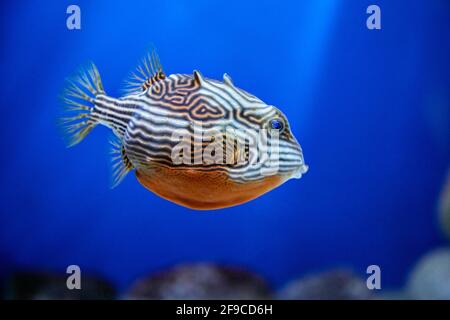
(145,123)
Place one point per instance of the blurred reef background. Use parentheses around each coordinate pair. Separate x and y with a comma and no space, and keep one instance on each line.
(371,109)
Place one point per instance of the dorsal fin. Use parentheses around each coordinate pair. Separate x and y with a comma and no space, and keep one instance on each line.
(121,164)
(198,78)
(227,80)
(146,74)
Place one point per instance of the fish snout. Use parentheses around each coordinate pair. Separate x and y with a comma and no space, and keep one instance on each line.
(301,168)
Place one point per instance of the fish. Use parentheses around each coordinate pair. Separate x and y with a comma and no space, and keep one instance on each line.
(201,143)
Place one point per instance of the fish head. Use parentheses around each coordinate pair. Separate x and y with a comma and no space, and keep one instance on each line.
(278,151)
(284,155)
(288,152)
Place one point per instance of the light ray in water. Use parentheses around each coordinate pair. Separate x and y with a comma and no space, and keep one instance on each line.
(309,49)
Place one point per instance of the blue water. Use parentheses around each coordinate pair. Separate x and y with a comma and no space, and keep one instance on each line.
(371,110)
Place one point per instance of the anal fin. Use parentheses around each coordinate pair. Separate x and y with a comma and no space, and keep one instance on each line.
(121,164)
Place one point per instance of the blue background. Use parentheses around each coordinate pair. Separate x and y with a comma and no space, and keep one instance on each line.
(370,109)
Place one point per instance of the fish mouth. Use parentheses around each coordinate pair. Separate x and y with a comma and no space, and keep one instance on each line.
(302,169)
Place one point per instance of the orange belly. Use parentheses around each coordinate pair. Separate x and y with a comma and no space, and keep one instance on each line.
(203,190)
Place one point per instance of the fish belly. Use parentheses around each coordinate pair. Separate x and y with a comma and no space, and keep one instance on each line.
(203,190)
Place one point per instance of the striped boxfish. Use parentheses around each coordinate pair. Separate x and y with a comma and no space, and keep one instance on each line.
(201,143)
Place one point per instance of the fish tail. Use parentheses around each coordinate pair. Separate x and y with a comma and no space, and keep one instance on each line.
(79,100)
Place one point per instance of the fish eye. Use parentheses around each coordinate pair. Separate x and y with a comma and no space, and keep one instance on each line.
(276,124)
